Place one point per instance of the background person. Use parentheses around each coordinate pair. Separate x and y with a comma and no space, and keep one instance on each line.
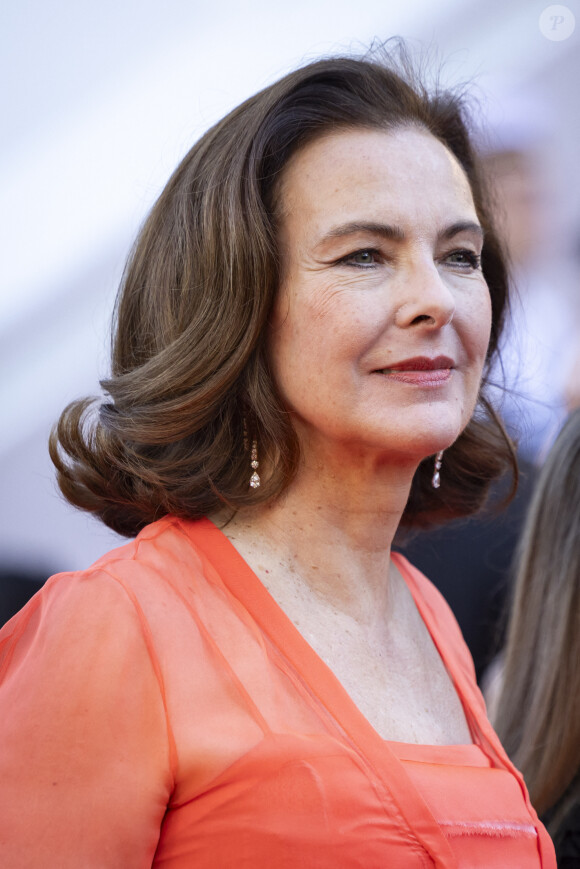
(255,680)
(537,712)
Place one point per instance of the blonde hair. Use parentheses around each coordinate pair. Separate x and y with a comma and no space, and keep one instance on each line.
(538,709)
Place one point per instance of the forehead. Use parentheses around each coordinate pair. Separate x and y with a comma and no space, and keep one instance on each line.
(407,172)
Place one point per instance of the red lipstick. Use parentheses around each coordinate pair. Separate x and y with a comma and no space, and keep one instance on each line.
(421,370)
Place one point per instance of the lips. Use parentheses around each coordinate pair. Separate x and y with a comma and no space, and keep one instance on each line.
(421,370)
(421,363)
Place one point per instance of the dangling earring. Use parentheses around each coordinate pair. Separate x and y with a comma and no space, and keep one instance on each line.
(254,463)
(436,478)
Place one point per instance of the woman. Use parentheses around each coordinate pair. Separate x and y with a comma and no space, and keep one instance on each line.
(538,714)
(255,680)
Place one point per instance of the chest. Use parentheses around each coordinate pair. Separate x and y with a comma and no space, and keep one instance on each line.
(394,675)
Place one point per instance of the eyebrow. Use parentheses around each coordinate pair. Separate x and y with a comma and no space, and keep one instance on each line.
(396,233)
(385,230)
(463,226)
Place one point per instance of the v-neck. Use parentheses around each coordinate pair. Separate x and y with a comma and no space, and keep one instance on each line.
(386,766)
(242,582)
(281,630)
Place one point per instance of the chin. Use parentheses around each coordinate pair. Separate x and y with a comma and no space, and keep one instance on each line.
(423,436)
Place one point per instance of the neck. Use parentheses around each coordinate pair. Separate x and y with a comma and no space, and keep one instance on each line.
(331,531)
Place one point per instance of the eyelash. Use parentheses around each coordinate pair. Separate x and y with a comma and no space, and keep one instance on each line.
(348,260)
(473,260)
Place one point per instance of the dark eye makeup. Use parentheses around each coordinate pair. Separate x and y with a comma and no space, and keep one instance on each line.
(464,259)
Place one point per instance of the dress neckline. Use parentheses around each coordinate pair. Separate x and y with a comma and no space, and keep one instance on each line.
(244,583)
(378,755)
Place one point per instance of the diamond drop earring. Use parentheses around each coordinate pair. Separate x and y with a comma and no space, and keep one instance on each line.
(254,463)
(436,478)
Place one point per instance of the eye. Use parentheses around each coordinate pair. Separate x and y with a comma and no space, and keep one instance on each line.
(365,258)
(464,259)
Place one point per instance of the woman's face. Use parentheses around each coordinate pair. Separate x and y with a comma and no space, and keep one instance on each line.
(382,321)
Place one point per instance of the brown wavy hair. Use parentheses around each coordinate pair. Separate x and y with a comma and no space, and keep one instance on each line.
(538,709)
(190,370)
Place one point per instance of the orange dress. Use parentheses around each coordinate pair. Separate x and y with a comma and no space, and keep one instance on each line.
(159,709)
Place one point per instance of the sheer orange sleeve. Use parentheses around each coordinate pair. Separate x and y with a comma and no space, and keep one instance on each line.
(84,758)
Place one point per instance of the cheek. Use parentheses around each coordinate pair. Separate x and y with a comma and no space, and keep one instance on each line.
(486,323)
(291,347)
(478,326)
(308,324)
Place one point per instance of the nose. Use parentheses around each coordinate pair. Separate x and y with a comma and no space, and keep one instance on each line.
(426,299)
